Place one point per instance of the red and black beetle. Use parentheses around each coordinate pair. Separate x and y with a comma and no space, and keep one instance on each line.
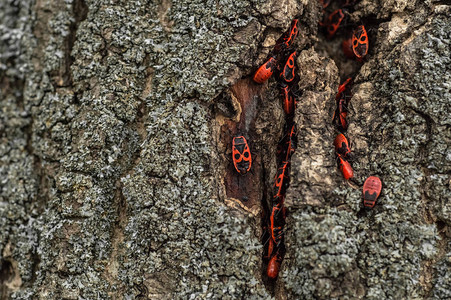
(287,39)
(277,222)
(273,267)
(288,99)
(288,71)
(340,114)
(360,43)
(274,264)
(345,167)
(287,146)
(334,21)
(342,98)
(241,155)
(341,145)
(282,179)
(266,70)
(344,90)
(371,191)
(292,142)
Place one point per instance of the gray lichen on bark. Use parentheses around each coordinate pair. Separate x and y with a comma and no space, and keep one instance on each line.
(110,175)
(399,131)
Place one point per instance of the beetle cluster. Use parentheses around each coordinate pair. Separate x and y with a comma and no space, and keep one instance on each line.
(242,159)
(287,78)
(281,62)
(355,45)
(282,52)
(341,143)
(373,185)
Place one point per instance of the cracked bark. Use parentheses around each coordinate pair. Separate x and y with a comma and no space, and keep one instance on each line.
(114,134)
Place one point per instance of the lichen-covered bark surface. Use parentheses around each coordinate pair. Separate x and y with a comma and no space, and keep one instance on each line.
(399,131)
(112,165)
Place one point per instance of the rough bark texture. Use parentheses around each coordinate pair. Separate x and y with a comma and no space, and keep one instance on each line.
(115,156)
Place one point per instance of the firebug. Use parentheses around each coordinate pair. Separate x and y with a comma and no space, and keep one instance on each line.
(371,191)
(344,90)
(287,146)
(341,145)
(270,248)
(345,167)
(287,39)
(273,267)
(288,99)
(277,222)
(360,43)
(340,114)
(241,155)
(266,70)
(266,238)
(333,22)
(292,142)
(288,73)
(277,217)
(282,180)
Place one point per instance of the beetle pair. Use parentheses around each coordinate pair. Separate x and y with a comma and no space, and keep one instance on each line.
(339,119)
(276,247)
(276,224)
(265,71)
(357,45)
(271,65)
(372,186)
(343,151)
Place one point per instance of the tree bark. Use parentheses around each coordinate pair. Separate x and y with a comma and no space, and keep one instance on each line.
(116,180)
